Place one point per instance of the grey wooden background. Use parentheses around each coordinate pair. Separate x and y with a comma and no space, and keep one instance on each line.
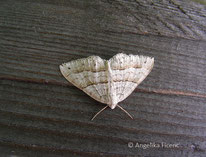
(41,114)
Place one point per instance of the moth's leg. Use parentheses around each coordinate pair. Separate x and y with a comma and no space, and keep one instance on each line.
(99,112)
(125,111)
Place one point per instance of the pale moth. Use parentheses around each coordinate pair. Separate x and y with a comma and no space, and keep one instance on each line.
(108,81)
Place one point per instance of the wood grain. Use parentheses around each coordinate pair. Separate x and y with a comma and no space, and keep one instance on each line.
(41,114)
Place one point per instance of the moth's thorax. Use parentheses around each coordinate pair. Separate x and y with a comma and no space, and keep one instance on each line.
(113,100)
(108,66)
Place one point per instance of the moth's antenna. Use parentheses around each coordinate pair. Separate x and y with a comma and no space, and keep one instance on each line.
(99,112)
(125,111)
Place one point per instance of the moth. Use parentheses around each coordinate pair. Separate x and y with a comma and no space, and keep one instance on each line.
(108,81)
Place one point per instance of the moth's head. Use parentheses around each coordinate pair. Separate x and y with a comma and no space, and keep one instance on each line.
(112,106)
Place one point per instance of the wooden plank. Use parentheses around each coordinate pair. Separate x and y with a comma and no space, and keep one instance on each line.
(41,114)
(31,112)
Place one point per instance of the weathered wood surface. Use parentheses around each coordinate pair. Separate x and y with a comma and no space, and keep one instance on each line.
(41,114)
